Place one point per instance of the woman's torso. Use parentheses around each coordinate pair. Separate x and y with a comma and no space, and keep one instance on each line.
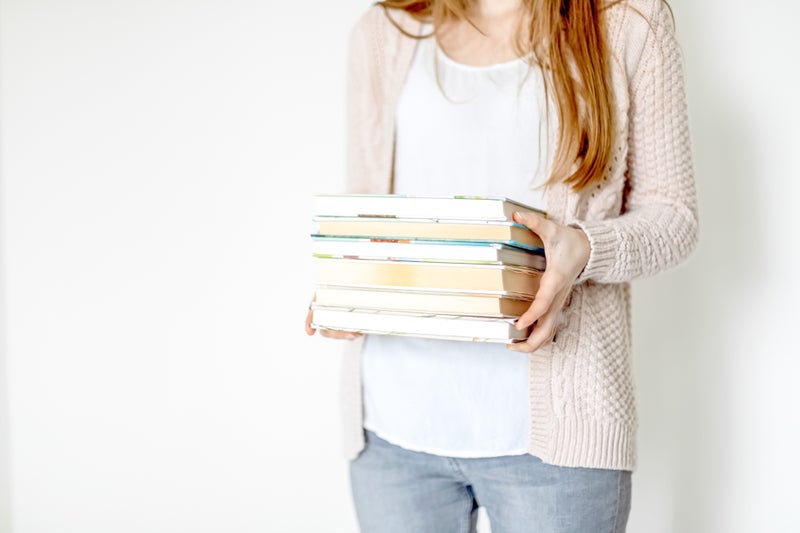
(481,136)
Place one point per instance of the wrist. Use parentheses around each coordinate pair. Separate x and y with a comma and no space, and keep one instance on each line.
(584,246)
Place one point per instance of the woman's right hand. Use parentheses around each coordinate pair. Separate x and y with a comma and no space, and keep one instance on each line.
(330,333)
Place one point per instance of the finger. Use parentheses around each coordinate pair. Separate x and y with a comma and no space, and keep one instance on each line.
(338,334)
(543,333)
(545,296)
(536,223)
(310,330)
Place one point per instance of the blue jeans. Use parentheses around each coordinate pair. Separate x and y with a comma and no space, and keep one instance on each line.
(400,491)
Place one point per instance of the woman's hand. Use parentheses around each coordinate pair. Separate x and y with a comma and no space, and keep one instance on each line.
(332,334)
(567,251)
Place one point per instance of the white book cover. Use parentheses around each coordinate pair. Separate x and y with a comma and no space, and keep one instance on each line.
(430,251)
(413,206)
(419,325)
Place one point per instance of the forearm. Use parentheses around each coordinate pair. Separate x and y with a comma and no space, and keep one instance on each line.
(639,244)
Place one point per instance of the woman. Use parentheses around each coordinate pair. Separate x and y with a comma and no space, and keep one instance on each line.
(573,107)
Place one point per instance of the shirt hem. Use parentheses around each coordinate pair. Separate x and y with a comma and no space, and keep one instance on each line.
(459,454)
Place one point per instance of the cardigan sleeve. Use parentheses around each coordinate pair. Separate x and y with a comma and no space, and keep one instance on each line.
(658,226)
(359,103)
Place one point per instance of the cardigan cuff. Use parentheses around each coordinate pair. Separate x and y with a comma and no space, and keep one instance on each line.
(603,249)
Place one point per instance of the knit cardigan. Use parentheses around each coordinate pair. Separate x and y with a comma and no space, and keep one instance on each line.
(640,219)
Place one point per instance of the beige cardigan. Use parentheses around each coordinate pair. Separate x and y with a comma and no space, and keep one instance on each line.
(640,220)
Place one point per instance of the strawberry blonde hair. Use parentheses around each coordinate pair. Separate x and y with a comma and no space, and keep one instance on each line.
(567,39)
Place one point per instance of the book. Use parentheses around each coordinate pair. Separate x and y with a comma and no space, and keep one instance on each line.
(456,327)
(439,277)
(448,267)
(426,250)
(502,232)
(413,206)
(445,303)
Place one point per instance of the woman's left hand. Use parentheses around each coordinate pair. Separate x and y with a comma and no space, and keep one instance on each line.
(567,251)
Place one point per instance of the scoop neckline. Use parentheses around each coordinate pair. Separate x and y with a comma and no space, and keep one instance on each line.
(494,66)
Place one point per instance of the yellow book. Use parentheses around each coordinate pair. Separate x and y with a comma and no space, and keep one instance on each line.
(440,277)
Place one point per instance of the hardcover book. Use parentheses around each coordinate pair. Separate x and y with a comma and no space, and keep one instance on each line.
(426,250)
(421,301)
(411,206)
(503,232)
(451,267)
(455,327)
(440,277)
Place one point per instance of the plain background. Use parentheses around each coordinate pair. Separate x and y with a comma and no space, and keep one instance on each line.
(157,160)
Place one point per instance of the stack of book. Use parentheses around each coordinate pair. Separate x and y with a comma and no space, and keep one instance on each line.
(440,267)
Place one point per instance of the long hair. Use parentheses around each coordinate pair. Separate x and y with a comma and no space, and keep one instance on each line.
(567,40)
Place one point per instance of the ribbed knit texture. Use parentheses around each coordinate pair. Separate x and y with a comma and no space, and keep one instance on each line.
(640,220)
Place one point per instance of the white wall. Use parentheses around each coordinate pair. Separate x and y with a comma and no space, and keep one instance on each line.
(716,341)
(157,159)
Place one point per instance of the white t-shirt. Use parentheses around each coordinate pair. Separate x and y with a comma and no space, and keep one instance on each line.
(456,398)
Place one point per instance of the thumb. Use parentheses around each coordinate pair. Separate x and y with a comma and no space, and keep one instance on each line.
(533,221)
